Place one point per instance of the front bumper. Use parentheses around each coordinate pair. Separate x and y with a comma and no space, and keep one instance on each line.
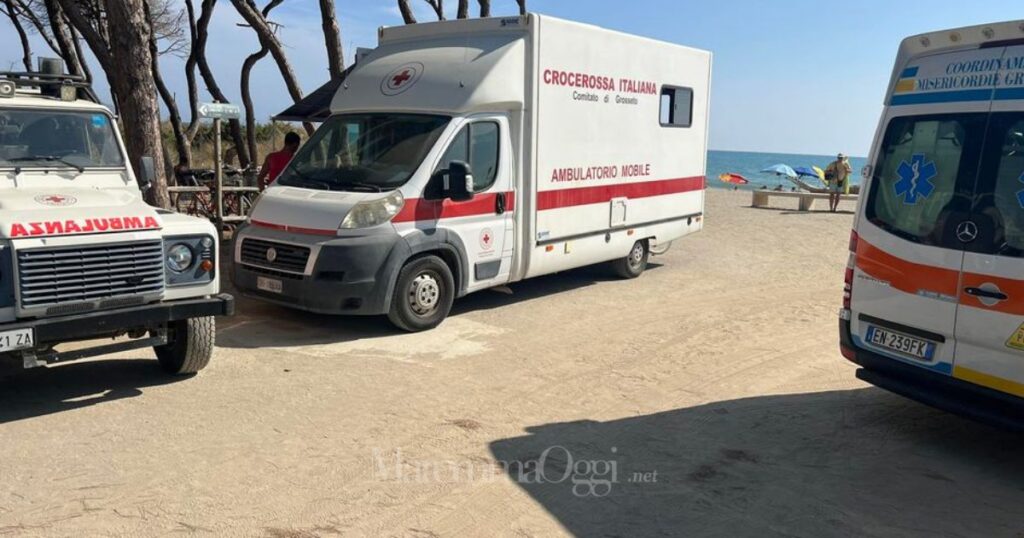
(935,389)
(53,331)
(351,275)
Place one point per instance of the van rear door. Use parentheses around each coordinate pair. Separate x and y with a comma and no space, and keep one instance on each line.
(908,256)
(990,319)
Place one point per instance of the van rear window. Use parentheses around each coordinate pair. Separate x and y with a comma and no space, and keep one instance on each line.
(924,177)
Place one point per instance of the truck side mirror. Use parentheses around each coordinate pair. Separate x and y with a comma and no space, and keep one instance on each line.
(460,182)
(148,173)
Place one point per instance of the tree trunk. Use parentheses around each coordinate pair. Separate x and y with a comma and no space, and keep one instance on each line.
(26,48)
(332,38)
(268,39)
(77,42)
(202,34)
(438,6)
(463,12)
(246,87)
(485,8)
(132,76)
(181,143)
(61,37)
(190,75)
(407,14)
(250,114)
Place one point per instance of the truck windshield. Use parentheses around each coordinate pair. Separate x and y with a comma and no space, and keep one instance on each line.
(53,138)
(364,152)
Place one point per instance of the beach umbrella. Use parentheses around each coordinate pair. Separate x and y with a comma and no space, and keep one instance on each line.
(735,179)
(814,172)
(780,170)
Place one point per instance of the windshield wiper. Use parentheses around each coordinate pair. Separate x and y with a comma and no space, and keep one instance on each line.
(307,182)
(359,185)
(48,158)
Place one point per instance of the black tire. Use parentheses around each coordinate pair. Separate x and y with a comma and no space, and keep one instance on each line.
(189,346)
(634,264)
(423,295)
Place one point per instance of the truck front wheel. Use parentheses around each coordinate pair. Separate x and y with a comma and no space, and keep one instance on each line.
(189,346)
(634,264)
(423,295)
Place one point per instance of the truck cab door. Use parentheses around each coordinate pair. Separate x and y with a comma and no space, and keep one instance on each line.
(990,319)
(909,257)
(485,224)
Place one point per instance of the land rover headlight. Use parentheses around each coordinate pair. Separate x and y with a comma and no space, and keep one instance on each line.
(374,212)
(180,258)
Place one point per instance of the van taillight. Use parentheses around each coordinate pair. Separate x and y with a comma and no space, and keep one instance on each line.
(851,262)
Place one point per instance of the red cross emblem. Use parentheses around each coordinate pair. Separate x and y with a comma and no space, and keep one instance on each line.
(401,78)
(486,238)
(55,200)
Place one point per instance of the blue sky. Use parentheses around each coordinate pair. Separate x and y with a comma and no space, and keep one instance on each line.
(799,76)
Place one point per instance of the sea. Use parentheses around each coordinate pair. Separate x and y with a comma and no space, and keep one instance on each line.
(750,164)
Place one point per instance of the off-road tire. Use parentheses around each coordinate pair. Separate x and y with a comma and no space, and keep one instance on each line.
(189,346)
(423,295)
(634,264)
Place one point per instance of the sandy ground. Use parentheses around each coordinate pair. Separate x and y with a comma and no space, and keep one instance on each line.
(707,398)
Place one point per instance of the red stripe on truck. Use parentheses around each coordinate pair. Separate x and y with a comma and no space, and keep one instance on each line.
(595,195)
(417,209)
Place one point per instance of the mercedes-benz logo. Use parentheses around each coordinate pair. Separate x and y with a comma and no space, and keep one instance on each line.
(271,254)
(967,231)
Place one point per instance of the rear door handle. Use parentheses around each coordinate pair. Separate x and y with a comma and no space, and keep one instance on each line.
(978,292)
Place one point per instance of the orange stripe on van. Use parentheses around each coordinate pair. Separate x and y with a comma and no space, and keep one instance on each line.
(908,277)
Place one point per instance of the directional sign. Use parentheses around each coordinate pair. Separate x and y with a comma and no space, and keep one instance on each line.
(219,111)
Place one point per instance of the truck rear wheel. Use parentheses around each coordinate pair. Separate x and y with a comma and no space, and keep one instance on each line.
(189,346)
(634,264)
(423,295)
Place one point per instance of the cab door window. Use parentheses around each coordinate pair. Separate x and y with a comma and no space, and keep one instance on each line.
(999,199)
(924,178)
(479,145)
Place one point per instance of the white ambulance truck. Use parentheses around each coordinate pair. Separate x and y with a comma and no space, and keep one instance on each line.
(934,303)
(469,154)
(82,257)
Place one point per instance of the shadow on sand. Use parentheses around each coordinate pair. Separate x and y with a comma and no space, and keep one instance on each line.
(850,463)
(259,324)
(43,391)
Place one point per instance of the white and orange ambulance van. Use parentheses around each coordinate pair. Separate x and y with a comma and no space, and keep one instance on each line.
(464,155)
(934,301)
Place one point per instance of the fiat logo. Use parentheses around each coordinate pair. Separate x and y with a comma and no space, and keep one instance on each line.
(271,254)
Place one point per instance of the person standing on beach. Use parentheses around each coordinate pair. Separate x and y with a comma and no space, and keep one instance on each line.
(837,174)
(275,163)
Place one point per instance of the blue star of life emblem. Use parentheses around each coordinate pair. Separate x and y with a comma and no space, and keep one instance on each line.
(1020,194)
(915,179)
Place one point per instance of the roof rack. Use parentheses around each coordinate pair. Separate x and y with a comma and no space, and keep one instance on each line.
(50,84)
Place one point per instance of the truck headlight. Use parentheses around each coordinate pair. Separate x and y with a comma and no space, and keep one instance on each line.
(180,258)
(374,212)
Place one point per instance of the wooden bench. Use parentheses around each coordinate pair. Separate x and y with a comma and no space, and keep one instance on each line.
(805,199)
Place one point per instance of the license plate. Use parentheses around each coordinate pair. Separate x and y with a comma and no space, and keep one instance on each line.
(909,346)
(269,284)
(17,339)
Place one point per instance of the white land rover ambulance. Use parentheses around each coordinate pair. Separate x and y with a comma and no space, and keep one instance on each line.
(82,257)
(934,304)
(469,154)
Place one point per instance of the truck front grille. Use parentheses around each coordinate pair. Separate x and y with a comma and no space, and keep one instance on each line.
(285,257)
(100,276)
